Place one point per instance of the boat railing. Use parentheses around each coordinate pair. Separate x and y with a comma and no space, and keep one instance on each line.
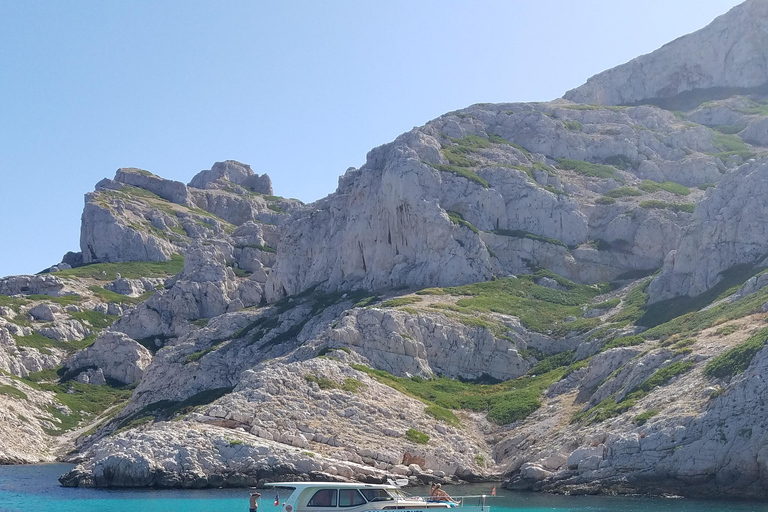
(459,500)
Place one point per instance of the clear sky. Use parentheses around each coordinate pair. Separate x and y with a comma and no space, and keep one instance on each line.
(297,89)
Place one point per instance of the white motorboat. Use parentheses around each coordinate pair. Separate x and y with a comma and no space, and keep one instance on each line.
(357,497)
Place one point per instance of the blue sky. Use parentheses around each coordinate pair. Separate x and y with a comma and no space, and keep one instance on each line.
(300,90)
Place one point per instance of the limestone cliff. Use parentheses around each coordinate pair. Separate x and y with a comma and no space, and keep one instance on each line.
(564,295)
(725,58)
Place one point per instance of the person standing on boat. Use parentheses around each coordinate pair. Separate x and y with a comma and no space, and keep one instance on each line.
(254,501)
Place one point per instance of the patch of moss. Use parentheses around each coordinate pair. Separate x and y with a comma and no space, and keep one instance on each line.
(417,437)
(668,186)
(589,169)
(127,269)
(442,414)
(13,392)
(458,219)
(517,233)
(400,301)
(504,403)
(623,192)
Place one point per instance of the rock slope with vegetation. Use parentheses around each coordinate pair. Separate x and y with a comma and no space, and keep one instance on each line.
(568,296)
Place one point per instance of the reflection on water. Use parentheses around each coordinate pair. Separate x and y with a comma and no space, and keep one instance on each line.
(36,488)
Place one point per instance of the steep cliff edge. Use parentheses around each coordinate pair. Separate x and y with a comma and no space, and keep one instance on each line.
(726,57)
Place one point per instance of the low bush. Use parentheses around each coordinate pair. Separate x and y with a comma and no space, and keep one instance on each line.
(589,169)
(642,419)
(458,219)
(737,359)
(668,186)
(399,301)
(127,269)
(442,414)
(623,192)
(417,437)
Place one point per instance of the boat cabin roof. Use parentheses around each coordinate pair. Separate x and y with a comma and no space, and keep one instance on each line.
(333,485)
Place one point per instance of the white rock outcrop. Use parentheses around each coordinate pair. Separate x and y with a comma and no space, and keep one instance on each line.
(730,53)
(116,355)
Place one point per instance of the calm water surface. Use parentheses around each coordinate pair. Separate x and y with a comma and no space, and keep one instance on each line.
(36,489)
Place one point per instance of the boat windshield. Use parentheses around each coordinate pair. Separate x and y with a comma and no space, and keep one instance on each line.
(377,494)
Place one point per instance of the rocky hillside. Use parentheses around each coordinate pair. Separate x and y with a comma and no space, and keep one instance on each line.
(568,296)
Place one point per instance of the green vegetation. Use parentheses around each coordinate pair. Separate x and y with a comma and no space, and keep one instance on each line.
(622,162)
(442,414)
(95,319)
(400,301)
(12,302)
(463,172)
(589,169)
(64,300)
(661,205)
(623,192)
(729,129)
(605,200)
(128,269)
(165,410)
(728,329)
(13,392)
(551,363)
(322,382)
(431,291)
(480,460)
(730,145)
(275,208)
(351,385)
(737,359)
(642,419)
(83,400)
(110,296)
(609,408)
(668,186)
(417,437)
(458,160)
(504,402)
(608,304)
(573,126)
(705,186)
(539,308)
(43,344)
(458,219)
(518,233)
(685,316)
(624,341)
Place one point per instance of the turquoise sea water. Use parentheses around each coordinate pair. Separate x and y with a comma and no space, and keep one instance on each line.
(36,489)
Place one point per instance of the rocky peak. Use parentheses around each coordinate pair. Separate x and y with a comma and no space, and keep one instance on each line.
(234,172)
(727,56)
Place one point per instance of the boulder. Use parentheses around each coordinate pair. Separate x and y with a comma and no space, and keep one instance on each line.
(173,191)
(235,172)
(116,355)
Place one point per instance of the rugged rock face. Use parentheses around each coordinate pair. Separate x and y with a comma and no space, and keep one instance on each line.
(173,191)
(139,216)
(116,355)
(730,228)
(331,340)
(726,56)
(231,171)
(549,184)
